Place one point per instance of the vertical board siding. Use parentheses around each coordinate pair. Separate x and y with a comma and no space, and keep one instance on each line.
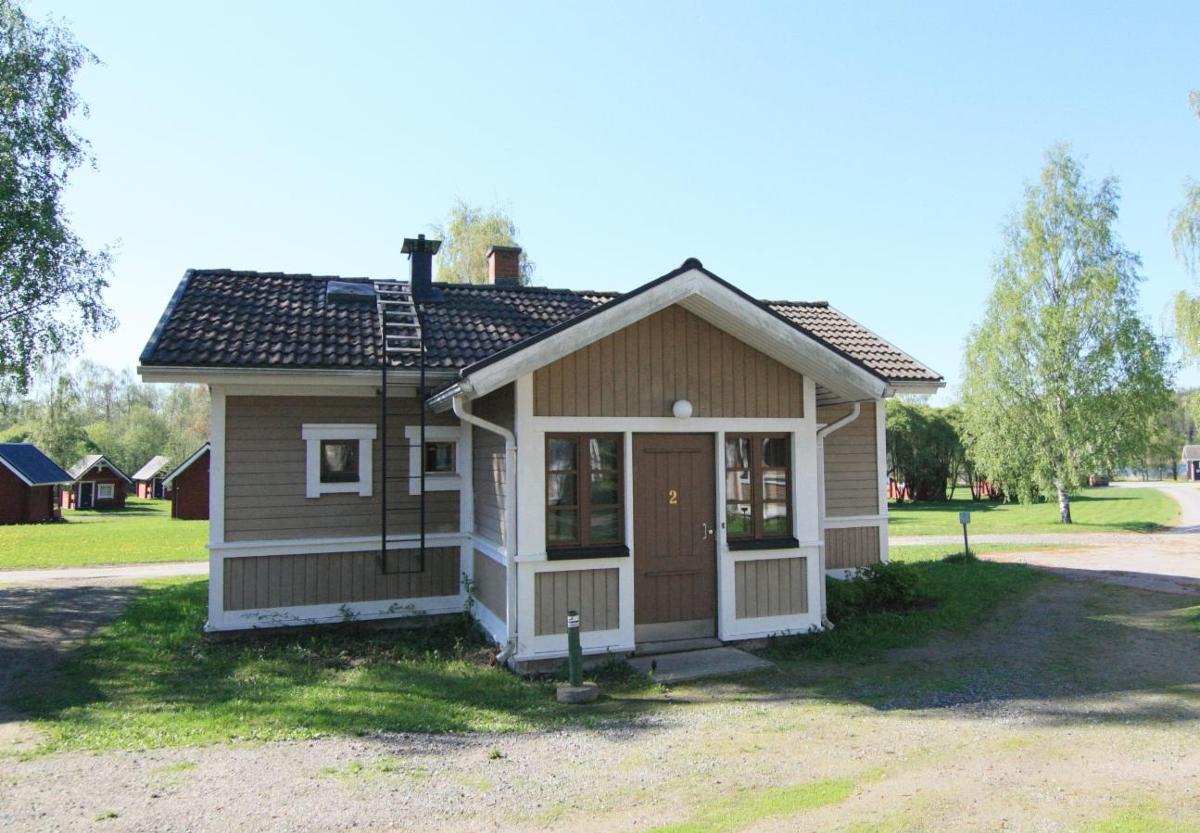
(771,587)
(852,484)
(851,547)
(265,471)
(334,578)
(491,585)
(593,593)
(642,370)
(488,474)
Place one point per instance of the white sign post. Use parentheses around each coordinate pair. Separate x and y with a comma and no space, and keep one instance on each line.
(964,518)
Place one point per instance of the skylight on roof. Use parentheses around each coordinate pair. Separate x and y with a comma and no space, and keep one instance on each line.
(350,292)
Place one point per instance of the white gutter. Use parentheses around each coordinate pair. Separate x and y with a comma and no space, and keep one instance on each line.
(510,517)
(822,433)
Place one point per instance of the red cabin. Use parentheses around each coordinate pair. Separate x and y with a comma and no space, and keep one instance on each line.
(96,484)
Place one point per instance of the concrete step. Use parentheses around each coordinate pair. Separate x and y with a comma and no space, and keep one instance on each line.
(694,665)
(674,646)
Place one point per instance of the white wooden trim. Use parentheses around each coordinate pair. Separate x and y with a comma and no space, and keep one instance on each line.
(490,622)
(261,378)
(881,460)
(490,548)
(314,433)
(216,507)
(277,617)
(436,482)
(112,491)
(317,546)
(841,521)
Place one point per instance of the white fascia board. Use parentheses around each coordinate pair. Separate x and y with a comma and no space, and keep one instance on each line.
(266,376)
(711,301)
(195,455)
(916,388)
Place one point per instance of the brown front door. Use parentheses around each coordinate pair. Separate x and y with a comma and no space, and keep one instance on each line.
(674,538)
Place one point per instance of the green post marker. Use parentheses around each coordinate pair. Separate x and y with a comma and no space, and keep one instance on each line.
(964,518)
(574,652)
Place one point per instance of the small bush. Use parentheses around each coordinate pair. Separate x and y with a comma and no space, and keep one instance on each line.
(893,587)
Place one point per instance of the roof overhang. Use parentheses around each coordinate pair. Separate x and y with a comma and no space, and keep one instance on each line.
(21,476)
(701,293)
(105,463)
(332,377)
(182,467)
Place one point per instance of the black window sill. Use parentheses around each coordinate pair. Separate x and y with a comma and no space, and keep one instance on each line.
(571,553)
(764,544)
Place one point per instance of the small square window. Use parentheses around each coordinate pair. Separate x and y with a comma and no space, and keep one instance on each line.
(104,491)
(339,461)
(439,458)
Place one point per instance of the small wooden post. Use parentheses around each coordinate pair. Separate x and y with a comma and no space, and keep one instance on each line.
(964,518)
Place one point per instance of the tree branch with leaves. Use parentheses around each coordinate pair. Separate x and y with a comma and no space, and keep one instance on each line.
(51,285)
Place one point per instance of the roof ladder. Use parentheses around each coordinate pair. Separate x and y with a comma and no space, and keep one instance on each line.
(401,340)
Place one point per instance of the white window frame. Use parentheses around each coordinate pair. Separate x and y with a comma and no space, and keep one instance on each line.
(101,488)
(435,481)
(313,434)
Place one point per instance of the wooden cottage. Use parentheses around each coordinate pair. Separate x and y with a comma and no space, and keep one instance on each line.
(96,484)
(29,483)
(148,481)
(1191,461)
(682,464)
(188,486)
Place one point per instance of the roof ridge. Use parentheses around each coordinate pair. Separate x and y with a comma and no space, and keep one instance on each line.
(797,303)
(226,272)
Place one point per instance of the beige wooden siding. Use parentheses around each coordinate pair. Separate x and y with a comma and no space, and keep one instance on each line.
(487,466)
(642,370)
(851,463)
(491,586)
(771,587)
(851,547)
(336,578)
(264,471)
(593,593)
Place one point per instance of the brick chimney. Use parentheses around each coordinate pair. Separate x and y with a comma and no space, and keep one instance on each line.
(504,265)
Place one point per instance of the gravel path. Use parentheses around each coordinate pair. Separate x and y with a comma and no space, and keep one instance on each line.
(110,573)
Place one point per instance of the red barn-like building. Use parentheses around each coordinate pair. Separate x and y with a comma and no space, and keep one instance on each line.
(96,484)
(149,478)
(188,485)
(29,482)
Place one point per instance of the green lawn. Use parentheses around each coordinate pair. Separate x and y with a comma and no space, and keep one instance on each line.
(141,532)
(1093,510)
(151,679)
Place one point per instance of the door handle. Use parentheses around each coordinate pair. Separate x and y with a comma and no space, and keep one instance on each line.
(705,531)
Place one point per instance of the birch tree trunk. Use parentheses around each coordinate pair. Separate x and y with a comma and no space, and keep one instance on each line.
(1064,504)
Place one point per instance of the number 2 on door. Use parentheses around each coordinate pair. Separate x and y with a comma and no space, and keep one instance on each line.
(672,497)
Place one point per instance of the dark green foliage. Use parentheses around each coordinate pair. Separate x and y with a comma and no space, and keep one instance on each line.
(925,451)
(876,589)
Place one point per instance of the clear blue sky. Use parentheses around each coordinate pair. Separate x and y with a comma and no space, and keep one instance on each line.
(858,153)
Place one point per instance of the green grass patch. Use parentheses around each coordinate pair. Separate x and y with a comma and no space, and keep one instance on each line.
(151,680)
(748,807)
(1141,817)
(1093,510)
(913,553)
(960,594)
(141,532)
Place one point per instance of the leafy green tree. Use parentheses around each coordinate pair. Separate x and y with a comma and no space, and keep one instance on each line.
(1062,377)
(924,449)
(1185,234)
(50,284)
(467,234)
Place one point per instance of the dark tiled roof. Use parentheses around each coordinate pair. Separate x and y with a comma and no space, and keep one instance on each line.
(855,340)
(224,318)
(87,463)
(31,464)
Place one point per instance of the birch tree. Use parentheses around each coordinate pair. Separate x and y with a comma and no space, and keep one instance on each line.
(467,234)
(1185,234)
(1062,377)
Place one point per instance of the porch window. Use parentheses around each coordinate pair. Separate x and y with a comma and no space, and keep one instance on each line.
(758,489)
(584,495)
